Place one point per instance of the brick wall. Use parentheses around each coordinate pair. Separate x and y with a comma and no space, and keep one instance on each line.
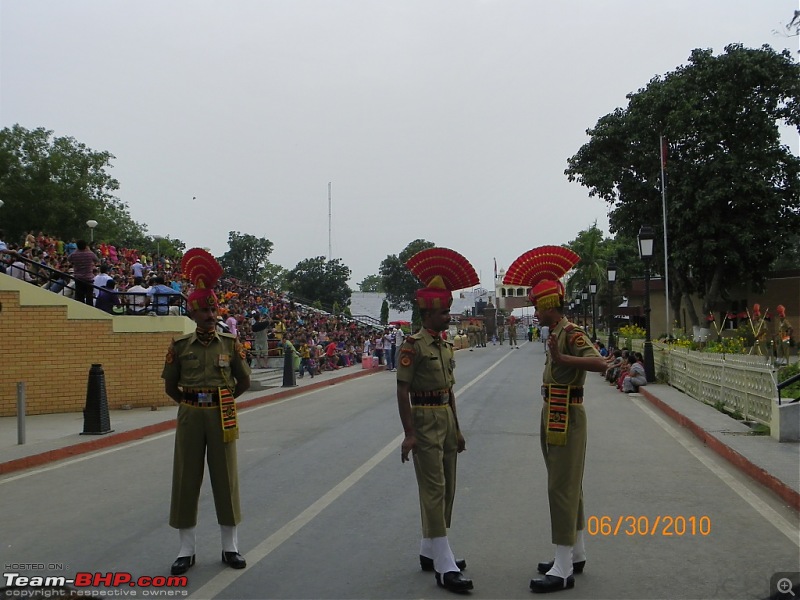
(52,352)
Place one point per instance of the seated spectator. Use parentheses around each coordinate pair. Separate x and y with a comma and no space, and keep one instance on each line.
(107,299)
(636,376)
(137,298)
(159,295)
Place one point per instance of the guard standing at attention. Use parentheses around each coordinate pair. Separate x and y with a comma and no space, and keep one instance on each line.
(427,405)
(204,371)
(563,425)
(512,331)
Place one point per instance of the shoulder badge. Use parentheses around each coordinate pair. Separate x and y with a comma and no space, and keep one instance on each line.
(578,339)
(170,358)
(239,349)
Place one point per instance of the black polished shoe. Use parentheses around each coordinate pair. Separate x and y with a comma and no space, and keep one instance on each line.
(577,567)
(551,583)
(234,560)
(181,565)
(427,563)
(454,581)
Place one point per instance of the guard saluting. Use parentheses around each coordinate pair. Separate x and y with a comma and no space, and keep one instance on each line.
(564,425)
(204,371)
(427,405)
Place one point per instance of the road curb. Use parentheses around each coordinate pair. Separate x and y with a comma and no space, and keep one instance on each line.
(786,493)
(115,439)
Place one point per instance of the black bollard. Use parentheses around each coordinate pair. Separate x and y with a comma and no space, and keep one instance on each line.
(288,369)
(96,420)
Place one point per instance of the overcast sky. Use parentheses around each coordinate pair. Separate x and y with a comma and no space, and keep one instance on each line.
(445,120)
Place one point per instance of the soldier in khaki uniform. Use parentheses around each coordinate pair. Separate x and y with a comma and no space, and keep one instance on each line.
(427,406)
(563,426)
(204,371)
(512,332)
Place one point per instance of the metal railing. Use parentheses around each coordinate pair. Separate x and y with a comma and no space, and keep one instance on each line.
(55,281)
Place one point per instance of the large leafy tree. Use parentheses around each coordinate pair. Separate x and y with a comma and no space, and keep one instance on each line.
(734,189)
(318,279)
(247,257)
(371,283)
(56,184)
(398,282)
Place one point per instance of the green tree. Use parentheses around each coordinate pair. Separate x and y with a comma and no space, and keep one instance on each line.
(371,283)
(247,257)
(274,277)
(384,312)
(320,279)
(56,184)
(398,282)
(734,190)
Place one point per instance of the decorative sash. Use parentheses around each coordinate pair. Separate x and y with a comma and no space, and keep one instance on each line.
(557,397)
(227,409)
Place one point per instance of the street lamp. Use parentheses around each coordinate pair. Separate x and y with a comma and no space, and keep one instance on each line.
(578,308)
(646,238)
(611,272)
(593,292)
(158,239)
(585,297)
(91,224)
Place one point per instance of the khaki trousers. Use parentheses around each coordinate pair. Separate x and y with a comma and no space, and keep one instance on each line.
(435,465)
(199,437)
(565,477)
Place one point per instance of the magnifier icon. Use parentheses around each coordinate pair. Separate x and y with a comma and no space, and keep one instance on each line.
(785,586)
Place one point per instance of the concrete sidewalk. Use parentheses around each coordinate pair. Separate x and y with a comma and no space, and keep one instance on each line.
(57,436)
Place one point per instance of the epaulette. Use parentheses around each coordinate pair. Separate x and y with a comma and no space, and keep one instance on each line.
(227,335)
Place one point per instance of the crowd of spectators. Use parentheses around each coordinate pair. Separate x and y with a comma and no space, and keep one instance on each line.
(626,371)
(129,281)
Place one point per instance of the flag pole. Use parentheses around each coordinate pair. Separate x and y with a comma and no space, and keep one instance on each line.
(663,147)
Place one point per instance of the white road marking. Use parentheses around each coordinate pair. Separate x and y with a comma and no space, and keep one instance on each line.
(220,582)
(764,509)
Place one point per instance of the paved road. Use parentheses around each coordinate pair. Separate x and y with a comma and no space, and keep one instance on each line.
(330,512)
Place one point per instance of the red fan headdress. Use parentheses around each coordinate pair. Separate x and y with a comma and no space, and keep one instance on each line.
(203,271)
(442,271)
(542,269)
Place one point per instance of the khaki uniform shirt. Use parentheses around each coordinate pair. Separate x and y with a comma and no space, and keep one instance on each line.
(572,340)
(193,365)
(426,363)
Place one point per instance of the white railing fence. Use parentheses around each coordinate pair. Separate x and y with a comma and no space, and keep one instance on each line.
(737,383)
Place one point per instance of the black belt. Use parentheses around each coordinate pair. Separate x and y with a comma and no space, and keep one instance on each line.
(432,398)
(210,398)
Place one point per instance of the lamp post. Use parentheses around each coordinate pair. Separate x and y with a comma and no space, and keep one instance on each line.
(593,292)
(578,308)
(158,239)
(611,272)
(91,224)
(584,301)
(646,238)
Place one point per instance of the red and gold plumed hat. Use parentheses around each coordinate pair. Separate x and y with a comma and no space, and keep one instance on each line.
(203,271)
(542,269)
(442,271)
